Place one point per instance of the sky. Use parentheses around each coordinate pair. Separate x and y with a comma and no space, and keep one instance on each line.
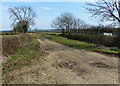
(46,11)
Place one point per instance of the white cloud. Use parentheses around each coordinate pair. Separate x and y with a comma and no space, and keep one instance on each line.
(46,8)
(48,0)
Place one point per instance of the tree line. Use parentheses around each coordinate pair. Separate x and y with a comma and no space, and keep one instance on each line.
(104,10)
(68,23)
(24,17)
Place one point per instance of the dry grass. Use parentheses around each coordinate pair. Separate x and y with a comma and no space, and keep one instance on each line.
(10,44)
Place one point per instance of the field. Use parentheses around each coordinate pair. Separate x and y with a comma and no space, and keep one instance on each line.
(80,45)
(48,56)
(60,42)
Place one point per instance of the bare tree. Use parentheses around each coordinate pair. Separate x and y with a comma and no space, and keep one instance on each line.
(78,25)
(22,15)
(108,10)
(65,22)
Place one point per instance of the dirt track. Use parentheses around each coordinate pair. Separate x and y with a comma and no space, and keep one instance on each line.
(65,65)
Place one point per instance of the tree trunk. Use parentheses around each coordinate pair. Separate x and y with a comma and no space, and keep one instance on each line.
(63,32)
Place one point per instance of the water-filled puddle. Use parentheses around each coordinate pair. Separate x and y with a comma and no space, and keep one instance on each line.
(100,65)
(67,64)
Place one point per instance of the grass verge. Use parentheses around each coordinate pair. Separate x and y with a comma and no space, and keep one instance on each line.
(79,44)
(51,33)
(7,35)
(23,56)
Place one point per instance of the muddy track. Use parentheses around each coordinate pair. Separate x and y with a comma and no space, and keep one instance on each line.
(65,65)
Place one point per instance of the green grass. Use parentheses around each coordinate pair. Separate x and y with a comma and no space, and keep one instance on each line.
(7,35)
(50,33)
(79,44)
(35,35)
(53,33)
(23,56)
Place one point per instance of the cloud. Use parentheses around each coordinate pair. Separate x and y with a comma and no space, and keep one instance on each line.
(48,0)
(46,8)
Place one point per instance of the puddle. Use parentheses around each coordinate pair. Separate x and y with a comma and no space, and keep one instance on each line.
(100,65)
(67,64)
(72,66)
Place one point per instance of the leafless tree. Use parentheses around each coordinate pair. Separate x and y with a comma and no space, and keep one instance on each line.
(108,10)
(22,15)
(79,24)
(82,24)
(65,22)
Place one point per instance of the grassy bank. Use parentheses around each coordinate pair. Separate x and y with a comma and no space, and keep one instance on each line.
(7,35)
(12,43)
(109,41)
(80,45)
(51,33)
(23,56)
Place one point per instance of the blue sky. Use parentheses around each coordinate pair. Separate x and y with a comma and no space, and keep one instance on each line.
(46,12)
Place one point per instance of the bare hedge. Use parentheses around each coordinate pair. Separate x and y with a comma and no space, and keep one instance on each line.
(10,44)
(109,41)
